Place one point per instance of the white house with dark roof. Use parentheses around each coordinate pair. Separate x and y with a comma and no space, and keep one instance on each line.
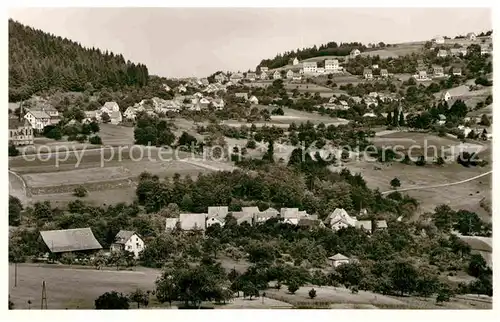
(457,71)
(442,53)
(338,259)
(438,40)
(338,219)
(310,67)
(297,77)
(263,75)
(276,75)
(367,73)
(354,53)
(38,119)
(128,240)
(384,73)
(332,65)
(289,74)
(438,71)
(295,61)
(251,76)
(471,36)
(253,100)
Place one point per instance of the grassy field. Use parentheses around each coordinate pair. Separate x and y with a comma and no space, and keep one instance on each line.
(342,298)
(72,288)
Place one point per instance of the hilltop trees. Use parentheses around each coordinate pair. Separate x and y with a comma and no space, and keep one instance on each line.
(112,301)
(39,61)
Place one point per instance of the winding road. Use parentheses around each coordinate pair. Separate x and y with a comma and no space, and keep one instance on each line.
(439,185)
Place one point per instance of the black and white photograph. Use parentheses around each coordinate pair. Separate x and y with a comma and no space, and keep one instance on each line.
(169,158)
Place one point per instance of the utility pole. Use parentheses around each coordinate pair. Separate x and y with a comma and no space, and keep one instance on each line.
(43,303)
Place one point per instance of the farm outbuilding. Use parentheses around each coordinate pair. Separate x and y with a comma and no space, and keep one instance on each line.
(70,240)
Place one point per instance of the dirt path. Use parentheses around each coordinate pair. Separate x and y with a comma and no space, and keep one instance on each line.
(17,187)
(439,185)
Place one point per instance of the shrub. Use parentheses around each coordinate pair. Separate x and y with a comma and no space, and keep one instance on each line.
(80,192)
(13,151)
(293,287)
(112,301)
(96,139)
(312,293)
(251,144)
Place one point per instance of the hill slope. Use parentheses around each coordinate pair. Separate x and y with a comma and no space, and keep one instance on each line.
(39,61)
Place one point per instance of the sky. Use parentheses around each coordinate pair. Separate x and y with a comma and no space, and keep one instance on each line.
(181,42)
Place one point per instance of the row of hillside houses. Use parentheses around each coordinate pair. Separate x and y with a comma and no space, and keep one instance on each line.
(485,50)
(435,71)
(83,241)
(368,73)
(252,215)
(440,40)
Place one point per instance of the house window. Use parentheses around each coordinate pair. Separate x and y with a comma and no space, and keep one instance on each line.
(129,247)
(136,245)
(136,239)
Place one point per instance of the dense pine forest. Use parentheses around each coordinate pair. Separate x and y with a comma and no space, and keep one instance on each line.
(40,62)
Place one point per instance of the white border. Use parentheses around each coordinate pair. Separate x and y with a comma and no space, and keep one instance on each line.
(256,315)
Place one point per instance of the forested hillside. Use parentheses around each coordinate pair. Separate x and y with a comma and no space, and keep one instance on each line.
(39,61)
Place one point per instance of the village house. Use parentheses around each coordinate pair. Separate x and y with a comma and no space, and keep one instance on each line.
(254,100)
(127,240)
(365,225)
(295,61)
(384,73)
(20,132)
(422,75)
(218,103)
(78,240)
(331,65)
(236,77)
(181,88)
(192,222)
(463,51)
(438,40)
(203,102)
(375,66)
(485,50)
(457,71)
(380,225)
(471,36)
(217,215)
(166,87)
(338,219)
(442,53)
(263,75)
(320,70)
(354,53)
(113,111)
(438,71)
(220,78)
(292,215)
(242,95)
(338,259)
(442,119)
(455,52)
(276,75)
(251,76)
(310,223)
(310,67)
(204,81)
(37,119)
(289,74)
(265,215)
(297,77)
(446,96)
(264,69)
(344,105)
(367,73)
(370,101)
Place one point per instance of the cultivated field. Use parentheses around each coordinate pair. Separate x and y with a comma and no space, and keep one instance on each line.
(107,172)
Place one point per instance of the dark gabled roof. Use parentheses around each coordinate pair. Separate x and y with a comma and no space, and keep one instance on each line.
(123,236)
(70,240)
